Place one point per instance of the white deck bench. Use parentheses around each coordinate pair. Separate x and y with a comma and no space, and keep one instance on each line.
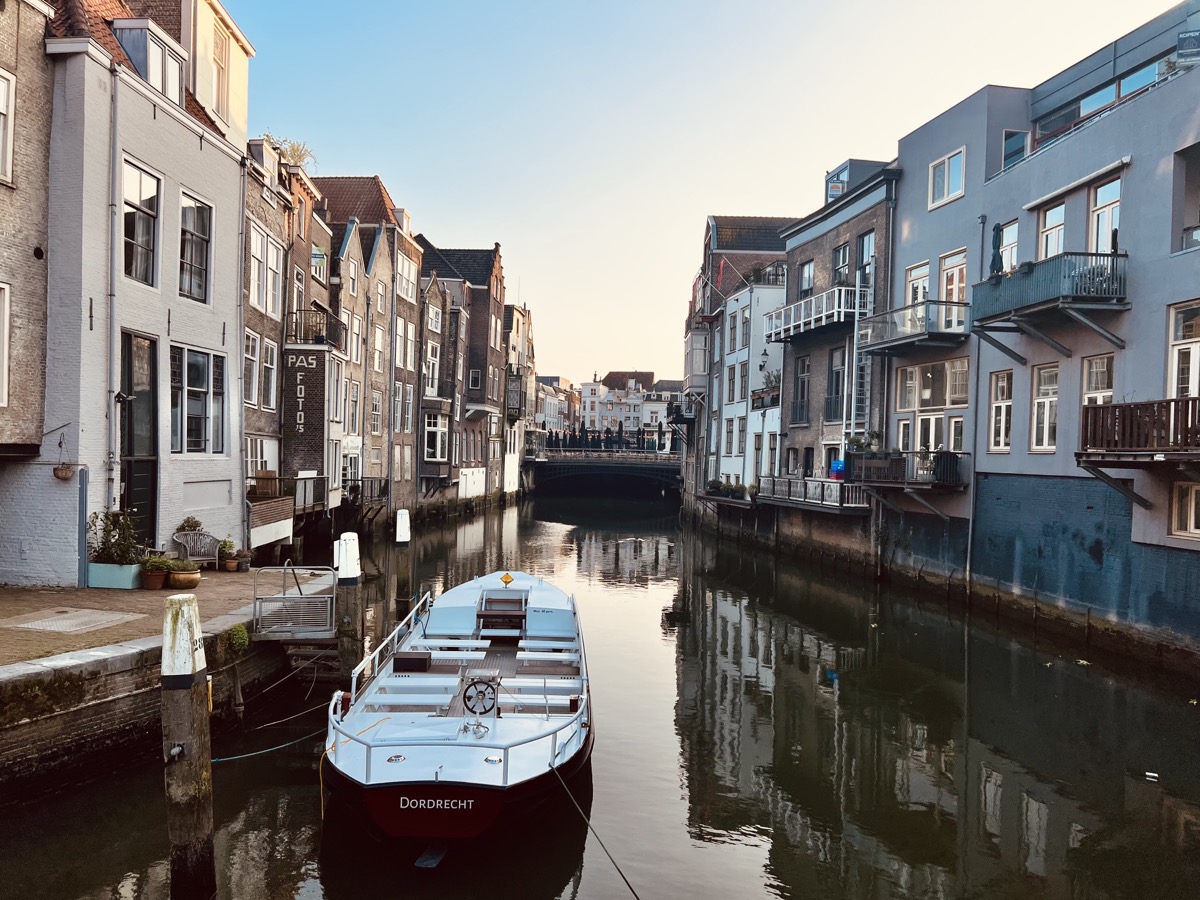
(541,684)
(565,657)
(396,702)
(530,644)
(499,632)
(535,702)
(397,685)
(438,643)
(449,656)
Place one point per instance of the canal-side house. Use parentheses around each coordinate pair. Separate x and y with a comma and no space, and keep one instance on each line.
(1086,417)
(524,437)
(310,436)
(733,245)
(27,458)
(920,471)
(444,336)
(269,218)
(663,394)
(748,364)
(481,273)
(470,434)
(146,156)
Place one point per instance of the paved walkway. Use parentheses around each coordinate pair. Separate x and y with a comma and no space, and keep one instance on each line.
(39,622)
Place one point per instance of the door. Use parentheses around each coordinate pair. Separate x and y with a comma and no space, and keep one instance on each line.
(757,456)
(138,403)
(930,434)
(809,458)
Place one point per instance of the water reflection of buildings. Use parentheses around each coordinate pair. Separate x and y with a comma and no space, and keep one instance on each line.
(635,559)
(850,735)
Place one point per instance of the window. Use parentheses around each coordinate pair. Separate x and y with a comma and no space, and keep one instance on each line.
(1050,237)
(729,437)
(954,290)
(1045,407)
(194,231)
(904,435)
(837,373)
(4,343)
(958,382)
(745,327)
(379,302)
(355,399)
(946,178)
(432,364)
(300,216)
(7,91)
(804,279)
(376,412)
(1000,431)
(356,342)
(741,435)
(406,278)
(743,380)
(141,220)
(258,268)
(320,265)
(270,370)
(1186,520)
(733,329)
(473,381)
(250,369)
(377,349)
(1185,350)
(866,257)
(730,375)
(841,264)
(352,277)
(1098,380)
(437,430)
(435,319)
(221,72)
(1014,147)
(1106,216)
(906,388)
(298,289)
(1008,246)
(350,464)
(408,408)
(916,283)
(412,347)
(274,285)
(397,407)
(197,401)
(956,434)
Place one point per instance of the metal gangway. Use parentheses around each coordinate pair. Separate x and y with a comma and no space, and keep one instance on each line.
(294,603)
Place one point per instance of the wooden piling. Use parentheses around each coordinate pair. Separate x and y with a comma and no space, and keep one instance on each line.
(187,751)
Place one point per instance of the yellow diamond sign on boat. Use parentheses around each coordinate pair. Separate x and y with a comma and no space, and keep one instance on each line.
(507,579)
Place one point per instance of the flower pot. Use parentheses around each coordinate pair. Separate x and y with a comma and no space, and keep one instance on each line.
(231,564)
(106,575)
(243,564)
(64,471)
(184,580)
(153,579)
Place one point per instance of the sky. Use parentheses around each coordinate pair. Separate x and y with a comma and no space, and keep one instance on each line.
(592,140)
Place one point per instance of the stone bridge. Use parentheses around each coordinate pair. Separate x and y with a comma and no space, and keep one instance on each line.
(552,465)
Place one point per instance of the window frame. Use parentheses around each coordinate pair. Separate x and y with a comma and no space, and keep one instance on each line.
(356,338)
(1008,248)
(915,276)
(271,401)
(376,413)
(1108,212)
(8,125)
(1044,438)
(1051,234)
(353,406)
(352,276)
(377,348)
(805,273)
(437,427)
(250,358)
(204,241)
(138,210)
(949,196)
(1185,500)
(1000,411)
(220,62)
(1097,396)
(215,415)
(1004,153)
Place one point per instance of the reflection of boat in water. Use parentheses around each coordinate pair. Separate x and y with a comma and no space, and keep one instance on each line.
(540,856)
(475,708)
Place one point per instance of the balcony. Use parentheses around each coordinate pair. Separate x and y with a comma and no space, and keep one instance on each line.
(834,496)
(681,413)
(1083,280)
(764,398)
(371,491)
(930,323)
(1134,435)
(835,306)
(315,326)
(919,469)
(300,495)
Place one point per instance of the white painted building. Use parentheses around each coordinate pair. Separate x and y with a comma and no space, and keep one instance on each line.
(748,364)
(144,356)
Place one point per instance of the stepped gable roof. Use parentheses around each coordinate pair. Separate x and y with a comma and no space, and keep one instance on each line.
(91,18)
(474,266)
(750,232)
(619,381)
(362,196)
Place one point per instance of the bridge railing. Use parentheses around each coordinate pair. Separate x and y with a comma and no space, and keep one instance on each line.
(626,456)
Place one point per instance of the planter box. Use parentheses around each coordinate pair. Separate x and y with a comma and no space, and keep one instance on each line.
(105,575)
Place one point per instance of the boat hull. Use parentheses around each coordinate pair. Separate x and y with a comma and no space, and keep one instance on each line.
(444,810)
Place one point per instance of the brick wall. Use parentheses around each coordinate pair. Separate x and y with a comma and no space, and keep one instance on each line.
(302,408)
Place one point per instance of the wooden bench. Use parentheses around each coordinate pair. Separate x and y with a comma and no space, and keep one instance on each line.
(528,644)
(565,657)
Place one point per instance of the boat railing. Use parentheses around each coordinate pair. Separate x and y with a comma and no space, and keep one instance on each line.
(575,725)
(370,666)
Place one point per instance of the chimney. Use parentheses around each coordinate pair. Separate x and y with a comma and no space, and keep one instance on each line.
(402,216)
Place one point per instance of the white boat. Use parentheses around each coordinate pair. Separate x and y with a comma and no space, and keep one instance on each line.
(475,707)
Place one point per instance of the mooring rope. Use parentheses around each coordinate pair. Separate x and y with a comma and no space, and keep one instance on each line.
(270,749)
(289,718)
(587,821)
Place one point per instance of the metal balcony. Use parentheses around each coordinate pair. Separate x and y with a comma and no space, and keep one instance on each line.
(930,323)
(315,326)
(828,494)
(922,469)
(1063,280)
(840,304)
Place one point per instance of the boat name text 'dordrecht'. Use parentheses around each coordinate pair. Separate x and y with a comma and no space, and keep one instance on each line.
(414,803)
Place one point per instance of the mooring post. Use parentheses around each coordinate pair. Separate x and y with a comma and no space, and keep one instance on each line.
(348,608)
(187,751)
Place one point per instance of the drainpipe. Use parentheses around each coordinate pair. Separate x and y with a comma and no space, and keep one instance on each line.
(114,269)
(239,341)
(974,424)
(392,319)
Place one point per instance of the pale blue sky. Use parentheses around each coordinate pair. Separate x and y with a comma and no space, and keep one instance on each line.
(591,140)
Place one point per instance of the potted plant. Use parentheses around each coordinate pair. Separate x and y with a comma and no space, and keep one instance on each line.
(243,559)
(190,523)
(113,555)
(226,552)
(154,572)
(184,574)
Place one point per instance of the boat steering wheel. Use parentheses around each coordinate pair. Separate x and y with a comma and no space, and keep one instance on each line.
(479,697)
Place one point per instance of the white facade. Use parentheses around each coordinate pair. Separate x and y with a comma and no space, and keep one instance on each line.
(743,370)
(117,143)
(605,408)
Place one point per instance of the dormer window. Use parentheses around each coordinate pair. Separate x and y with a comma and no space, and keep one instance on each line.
(158,59)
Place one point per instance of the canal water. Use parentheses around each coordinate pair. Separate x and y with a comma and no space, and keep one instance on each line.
(762,731)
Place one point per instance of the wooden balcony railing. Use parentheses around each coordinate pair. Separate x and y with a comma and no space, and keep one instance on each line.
(308,494)
(1154,426)
(924,468)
